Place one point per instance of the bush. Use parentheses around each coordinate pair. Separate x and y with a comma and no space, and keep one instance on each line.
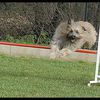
(8,38)
(18,20)
(43,38)
(29,39)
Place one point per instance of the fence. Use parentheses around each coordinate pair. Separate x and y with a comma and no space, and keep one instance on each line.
(35,23)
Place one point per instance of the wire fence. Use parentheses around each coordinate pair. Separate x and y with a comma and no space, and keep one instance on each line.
(35,23)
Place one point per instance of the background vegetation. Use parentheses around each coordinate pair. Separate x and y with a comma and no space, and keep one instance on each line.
(35,23)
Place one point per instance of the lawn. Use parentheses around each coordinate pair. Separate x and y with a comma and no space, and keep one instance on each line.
(40,77)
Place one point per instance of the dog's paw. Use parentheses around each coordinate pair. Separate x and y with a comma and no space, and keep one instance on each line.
(52,56)
(65,52)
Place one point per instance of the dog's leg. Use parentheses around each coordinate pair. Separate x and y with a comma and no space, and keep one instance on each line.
(54,49)
(54,52)
(65,52)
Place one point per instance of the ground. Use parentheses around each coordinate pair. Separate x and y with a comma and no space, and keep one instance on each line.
(40,77)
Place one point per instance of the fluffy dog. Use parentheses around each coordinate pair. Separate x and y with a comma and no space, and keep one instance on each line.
(70,36)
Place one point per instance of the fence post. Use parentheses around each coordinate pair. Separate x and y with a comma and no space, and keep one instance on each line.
(86,9)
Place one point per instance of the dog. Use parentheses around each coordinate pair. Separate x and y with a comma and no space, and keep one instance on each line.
(70,36)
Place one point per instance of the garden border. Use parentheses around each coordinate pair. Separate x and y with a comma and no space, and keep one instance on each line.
(44,47)
(17,49)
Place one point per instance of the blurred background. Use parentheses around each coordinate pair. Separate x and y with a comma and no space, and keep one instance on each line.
(35,23)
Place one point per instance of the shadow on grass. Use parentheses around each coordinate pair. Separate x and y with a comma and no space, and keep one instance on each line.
(78,79)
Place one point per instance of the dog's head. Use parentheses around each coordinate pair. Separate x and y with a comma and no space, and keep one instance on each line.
(75,31)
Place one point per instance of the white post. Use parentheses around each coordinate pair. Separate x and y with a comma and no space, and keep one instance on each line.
(97,60)
(97,63)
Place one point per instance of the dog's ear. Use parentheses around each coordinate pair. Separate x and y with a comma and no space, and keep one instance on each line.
(70,21)
(84,28)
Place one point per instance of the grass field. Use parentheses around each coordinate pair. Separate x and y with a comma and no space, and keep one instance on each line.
(36,77)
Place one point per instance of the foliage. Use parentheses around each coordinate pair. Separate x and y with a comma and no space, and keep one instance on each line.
(23,19)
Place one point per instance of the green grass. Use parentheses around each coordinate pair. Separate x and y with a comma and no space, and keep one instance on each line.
(39,77)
